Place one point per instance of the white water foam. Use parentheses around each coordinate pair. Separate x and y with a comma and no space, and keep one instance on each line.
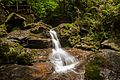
(62,61)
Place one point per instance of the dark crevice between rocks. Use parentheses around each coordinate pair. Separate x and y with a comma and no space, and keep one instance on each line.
(107,47)
(37,44)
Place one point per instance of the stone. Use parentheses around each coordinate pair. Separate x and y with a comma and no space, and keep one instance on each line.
(66,32)
(44,70)
(21,72)
(84,46)
(40,27)
(38,43)
(111,44)
(111,70)
(105,65)
(33,36)
(12,52)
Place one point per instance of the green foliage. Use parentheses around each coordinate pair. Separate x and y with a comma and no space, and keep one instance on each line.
(42,7)
(97,20)
(73,40)
(11,2)
(93,21)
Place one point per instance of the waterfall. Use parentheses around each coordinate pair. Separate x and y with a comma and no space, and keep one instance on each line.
(62,61)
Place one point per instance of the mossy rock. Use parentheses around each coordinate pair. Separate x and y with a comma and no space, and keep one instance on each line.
(12,52)
(67,29)
(93,68)
(36,36)
(68,34)
(111,70)
(40,27)
(88,45)
(92,72)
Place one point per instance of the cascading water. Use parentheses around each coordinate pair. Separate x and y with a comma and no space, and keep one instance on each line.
(62,61)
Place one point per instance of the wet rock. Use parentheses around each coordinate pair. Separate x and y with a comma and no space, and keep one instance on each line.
(105,65)
(19,36)
(112,69)
(14,21)
(42,55)
(21,72)
(44,70)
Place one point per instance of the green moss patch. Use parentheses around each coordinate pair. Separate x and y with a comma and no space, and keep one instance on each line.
(93,68)
(11,52)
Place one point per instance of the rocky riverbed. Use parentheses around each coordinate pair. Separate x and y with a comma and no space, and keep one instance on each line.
(25,50)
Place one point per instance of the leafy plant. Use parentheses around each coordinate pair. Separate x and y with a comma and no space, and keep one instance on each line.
(42,7)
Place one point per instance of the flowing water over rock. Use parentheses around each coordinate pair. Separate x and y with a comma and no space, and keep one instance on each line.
(62,61)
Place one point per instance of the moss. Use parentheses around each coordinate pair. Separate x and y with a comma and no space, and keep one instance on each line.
(93,68)
(74,40)
(14,53)
(40,27)
(92,72)
(3,31)
(68,34)
(25,57)
(68,29)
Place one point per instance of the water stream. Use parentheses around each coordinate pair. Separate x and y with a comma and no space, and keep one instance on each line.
(62,61)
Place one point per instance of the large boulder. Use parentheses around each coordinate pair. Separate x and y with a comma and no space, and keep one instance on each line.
(40,27)
(34,35)
(111,71)
(11,52)
(68,34)
(22,72)
(105,65)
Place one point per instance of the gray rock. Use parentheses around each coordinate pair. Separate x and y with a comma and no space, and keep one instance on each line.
(112,69)
(34,37)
